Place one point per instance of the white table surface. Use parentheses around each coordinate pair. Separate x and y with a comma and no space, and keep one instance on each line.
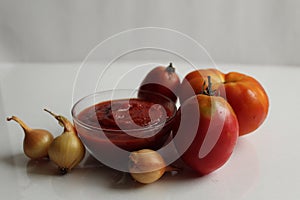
(264,165)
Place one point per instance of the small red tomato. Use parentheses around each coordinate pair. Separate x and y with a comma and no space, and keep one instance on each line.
(163,80)
(208,144)
(245,94)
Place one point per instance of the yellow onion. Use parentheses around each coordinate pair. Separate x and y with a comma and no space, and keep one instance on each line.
(147,166)
(36,141)
(66,150)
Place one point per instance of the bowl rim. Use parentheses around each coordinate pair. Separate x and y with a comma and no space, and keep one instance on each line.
(111,131)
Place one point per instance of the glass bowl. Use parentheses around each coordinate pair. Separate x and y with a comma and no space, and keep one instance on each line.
(113,121)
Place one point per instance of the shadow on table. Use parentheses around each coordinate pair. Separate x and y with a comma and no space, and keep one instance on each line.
(92,170)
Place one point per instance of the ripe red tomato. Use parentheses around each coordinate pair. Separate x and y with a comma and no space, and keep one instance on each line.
(161,79)
(216,132)
(245,94)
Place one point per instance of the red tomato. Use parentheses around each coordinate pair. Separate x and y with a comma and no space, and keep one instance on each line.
(216,132)
(163,80)
(245,95)
(196,82)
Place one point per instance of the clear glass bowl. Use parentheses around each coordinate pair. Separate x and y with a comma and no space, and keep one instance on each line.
(105,142)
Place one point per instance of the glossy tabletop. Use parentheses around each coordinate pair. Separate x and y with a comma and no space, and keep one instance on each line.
(264,164)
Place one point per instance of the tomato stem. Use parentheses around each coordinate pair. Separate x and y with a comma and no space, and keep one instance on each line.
(170,68)
(208,90)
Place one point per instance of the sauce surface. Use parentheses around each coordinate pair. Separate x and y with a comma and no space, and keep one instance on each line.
(125,114)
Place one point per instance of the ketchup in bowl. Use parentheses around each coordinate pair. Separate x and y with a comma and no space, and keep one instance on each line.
(124,114)
(104,121)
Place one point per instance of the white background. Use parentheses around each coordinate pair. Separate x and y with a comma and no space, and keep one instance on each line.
(42,44)
(232,31)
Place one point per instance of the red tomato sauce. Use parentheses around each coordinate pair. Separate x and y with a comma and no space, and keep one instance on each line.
(130,124)
(124,114)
